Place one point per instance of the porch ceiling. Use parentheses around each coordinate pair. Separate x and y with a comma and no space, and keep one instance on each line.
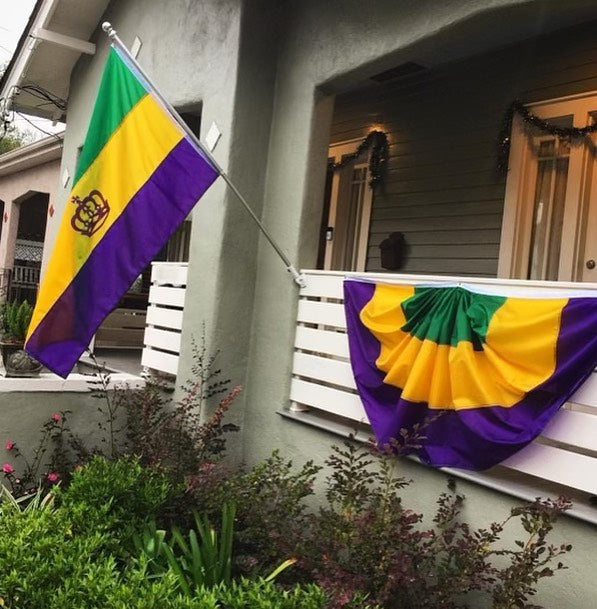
(499,27)
(56,35)
(486,30)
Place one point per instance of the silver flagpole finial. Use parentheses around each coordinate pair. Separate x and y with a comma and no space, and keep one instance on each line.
(107,27)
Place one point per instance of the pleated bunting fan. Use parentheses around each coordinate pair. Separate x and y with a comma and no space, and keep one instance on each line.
(480,374)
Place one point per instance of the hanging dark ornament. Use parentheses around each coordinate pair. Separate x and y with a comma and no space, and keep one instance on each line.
(377,141)
(517,107)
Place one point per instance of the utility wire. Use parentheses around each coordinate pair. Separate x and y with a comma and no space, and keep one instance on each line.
(41,93)
(38,127)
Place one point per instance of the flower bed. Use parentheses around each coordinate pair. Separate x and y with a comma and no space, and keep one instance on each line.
(153,516)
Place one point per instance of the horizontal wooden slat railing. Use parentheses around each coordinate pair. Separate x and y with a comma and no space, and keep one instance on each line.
(164,317)
(122,329)
(322,379)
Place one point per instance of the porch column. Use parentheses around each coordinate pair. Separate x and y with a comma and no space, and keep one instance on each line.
(52,224)
(10,225)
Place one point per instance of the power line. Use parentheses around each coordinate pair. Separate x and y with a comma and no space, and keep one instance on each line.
(43,94)
(38,127)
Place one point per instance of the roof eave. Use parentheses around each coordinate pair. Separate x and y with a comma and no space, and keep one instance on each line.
(60,33)
(31,155)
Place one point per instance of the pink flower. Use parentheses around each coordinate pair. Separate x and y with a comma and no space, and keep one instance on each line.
(10,445)
(7,468)
(53,477)
(56,417)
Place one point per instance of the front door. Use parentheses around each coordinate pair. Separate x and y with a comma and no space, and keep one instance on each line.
(550,214)
(347,229)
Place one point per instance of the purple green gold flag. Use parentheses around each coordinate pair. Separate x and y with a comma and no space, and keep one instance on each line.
(482,374)
(137,178)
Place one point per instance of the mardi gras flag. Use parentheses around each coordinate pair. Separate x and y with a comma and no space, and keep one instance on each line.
(479,375)
(137,178)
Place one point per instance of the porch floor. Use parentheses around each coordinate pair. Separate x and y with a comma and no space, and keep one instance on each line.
(123,360)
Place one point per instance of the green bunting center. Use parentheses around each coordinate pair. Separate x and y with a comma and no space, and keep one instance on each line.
(448,316)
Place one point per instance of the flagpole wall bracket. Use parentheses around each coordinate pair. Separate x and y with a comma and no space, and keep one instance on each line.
(299,278)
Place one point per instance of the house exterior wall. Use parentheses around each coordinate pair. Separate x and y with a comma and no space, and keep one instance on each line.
(271,91)
(442,187)
(14,186)
(325,47)
(25,413)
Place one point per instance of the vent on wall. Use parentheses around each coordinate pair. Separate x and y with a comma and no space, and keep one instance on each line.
(404,69)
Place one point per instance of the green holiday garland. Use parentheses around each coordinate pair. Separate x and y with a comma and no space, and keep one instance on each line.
(517,107)
(377,141)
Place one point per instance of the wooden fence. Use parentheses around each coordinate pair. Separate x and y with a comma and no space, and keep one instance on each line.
(122,329)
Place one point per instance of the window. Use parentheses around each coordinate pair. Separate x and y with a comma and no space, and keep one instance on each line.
(550,212)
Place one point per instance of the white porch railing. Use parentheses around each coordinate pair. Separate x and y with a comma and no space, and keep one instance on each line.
(25,276)
(323,383)
(161,350)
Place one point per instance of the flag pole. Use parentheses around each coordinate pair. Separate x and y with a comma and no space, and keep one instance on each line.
(299,278)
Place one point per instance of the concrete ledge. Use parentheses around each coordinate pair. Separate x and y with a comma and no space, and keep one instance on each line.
(76,382)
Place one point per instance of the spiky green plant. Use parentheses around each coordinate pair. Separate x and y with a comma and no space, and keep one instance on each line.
(16,317)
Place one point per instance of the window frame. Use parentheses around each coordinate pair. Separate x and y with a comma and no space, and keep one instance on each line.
(515,240)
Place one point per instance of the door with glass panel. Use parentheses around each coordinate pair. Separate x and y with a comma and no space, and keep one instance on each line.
(347,229)
(550,216)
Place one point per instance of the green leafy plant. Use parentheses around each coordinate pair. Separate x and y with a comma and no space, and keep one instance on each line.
(149,545)
(38,548)
(67,550)
(262,594)
(136,592)
(204,559)
(10,136)
(16,317)
(115,494)
(40,500)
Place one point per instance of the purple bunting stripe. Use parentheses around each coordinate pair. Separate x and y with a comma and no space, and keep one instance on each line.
(130,244)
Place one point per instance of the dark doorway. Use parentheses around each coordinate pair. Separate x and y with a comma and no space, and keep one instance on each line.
(29,246)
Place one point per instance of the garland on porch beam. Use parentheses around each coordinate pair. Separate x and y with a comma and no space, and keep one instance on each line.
(517,107)
(377,141)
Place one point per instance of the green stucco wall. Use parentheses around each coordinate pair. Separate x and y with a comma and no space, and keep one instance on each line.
(25,413)
(329,47)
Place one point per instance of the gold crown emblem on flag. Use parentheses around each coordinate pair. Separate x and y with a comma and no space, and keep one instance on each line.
(90,214)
